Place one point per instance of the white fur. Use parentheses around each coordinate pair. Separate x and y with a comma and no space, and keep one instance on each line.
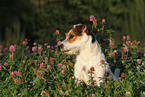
(88,55)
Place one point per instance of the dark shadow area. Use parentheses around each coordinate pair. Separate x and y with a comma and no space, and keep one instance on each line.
(37,20)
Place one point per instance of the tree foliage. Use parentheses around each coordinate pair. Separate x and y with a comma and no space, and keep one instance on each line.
(37,20)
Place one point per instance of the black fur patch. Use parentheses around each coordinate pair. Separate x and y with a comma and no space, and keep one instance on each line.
(92,34)
(77,32)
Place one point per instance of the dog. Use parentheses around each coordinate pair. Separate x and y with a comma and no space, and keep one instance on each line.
(82,42)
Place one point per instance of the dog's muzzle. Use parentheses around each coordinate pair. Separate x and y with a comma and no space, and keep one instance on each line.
(60,47)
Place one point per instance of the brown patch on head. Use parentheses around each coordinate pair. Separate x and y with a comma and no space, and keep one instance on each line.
(76,33)
(72,36)
(79,29)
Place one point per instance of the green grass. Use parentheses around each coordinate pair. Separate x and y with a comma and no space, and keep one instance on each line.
(44,71)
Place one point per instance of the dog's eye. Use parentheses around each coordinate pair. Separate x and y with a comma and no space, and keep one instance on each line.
(71,36)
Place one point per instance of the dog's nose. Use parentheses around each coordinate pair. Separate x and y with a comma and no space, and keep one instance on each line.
(60,47)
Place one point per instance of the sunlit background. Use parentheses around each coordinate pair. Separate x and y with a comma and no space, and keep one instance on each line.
(38,20)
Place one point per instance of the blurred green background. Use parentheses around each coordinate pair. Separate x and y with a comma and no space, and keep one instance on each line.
(37,20)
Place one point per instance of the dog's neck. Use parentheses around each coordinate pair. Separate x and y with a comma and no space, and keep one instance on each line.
(90,49)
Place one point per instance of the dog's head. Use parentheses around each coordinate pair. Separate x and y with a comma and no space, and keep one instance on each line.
(76,38)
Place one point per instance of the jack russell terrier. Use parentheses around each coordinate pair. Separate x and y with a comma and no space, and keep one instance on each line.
(81,41)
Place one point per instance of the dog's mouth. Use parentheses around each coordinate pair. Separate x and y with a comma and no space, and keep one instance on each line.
(70,49)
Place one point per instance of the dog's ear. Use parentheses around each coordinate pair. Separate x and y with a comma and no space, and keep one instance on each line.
(81,28)
(84,28)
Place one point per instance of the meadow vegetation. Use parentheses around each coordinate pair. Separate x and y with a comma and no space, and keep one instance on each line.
(42,70)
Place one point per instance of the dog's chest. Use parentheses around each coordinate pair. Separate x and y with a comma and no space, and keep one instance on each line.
(86,63)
